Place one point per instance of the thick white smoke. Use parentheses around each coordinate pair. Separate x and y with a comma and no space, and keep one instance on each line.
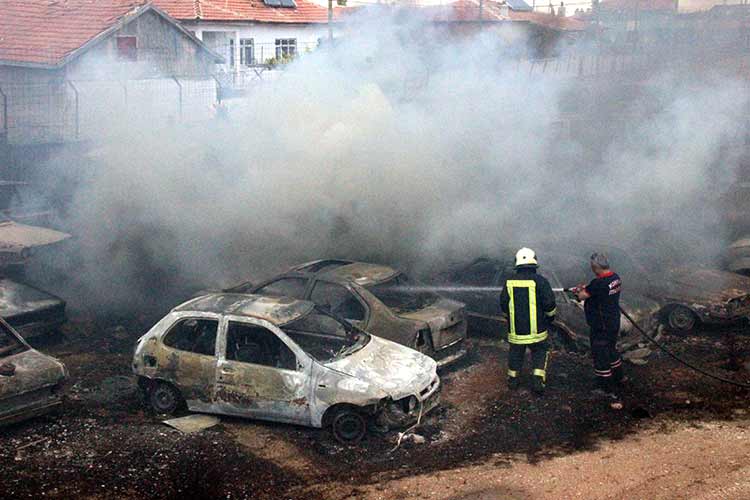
(399,145)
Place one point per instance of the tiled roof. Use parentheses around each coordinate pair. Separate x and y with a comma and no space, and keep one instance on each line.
(468,11)
(305,12)
(46,31)
(642,5)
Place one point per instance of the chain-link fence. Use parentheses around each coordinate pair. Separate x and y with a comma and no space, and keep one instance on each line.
(82,110)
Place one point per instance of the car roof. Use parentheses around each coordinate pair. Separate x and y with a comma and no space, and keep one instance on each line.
(276,310)
(361,273)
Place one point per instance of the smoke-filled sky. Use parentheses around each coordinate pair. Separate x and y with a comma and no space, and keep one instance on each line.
(399,148)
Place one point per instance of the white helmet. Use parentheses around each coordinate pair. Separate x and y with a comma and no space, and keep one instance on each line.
(525,257)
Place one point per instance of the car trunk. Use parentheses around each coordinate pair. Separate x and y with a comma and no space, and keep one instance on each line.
(446,319)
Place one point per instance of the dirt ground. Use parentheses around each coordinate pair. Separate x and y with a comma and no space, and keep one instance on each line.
(679,435)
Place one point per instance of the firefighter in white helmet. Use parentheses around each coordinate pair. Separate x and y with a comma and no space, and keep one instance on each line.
(529,303)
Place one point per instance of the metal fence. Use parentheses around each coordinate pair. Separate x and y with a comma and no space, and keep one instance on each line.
(70,110)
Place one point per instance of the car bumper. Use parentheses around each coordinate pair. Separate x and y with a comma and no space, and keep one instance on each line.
(450,353)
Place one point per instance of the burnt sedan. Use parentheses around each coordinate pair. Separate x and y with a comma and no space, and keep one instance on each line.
(30,311)
(378,299)
(30,382)
(478,285)
(283,360)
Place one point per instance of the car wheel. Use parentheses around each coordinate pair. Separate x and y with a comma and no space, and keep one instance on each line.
(348,426)
(681,319)
(165,398)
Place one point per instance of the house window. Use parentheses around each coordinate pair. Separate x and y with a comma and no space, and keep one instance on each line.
(127,48)
(286,47)
(247,51)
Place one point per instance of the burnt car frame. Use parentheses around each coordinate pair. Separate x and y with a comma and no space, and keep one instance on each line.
(375,298)
(31,311)
(283,360)
(31,383)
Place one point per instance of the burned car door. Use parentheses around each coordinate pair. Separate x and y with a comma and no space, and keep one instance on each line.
(340,301)
(190,351)
(260,376)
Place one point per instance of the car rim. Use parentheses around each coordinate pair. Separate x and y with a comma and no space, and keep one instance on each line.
(681,319)
(349,427)
(164,399)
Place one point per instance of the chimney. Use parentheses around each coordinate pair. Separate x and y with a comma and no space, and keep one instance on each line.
(504,10)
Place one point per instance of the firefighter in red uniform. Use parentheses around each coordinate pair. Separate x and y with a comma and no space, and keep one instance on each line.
(602,307)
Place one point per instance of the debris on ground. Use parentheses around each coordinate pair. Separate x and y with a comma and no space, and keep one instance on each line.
(193,423)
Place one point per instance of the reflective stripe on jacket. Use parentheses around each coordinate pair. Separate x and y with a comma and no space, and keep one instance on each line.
(528,301)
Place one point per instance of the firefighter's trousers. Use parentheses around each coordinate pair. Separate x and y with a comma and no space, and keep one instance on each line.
(607,361)
(539,359)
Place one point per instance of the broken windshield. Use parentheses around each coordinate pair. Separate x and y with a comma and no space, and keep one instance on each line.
(402,294)
(324,336)
(9,343)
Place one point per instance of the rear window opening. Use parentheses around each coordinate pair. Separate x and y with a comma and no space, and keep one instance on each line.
(402,294)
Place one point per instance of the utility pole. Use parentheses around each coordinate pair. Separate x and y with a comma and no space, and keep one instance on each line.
(481,7)
(330,20)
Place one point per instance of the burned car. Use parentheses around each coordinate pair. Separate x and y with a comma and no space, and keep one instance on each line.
(29,310)
(30,382)
(378,299)
(283,360)
(478,285)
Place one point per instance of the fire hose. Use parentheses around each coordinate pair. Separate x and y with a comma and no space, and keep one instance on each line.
(693,367)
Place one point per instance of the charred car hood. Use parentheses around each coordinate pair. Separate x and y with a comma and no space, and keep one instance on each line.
(395,369)
(33,370)
(439,315)
(704,285)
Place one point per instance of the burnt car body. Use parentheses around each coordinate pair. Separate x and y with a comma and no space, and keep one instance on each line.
(29,310)
(377,299)
(709,296)
(30,382)
(478,285)
(283,360)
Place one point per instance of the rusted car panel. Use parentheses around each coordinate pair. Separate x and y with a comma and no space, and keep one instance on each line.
(371,297)
(279,359)
(738,256)
(714,296)
(30,382)
(29,310)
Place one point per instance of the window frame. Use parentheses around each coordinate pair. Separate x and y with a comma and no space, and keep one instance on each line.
(302,358)
(181,319)
(285,48)
(244,46)
(313,283)
(126,54)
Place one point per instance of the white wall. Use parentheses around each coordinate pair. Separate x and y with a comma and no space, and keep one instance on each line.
(264,36)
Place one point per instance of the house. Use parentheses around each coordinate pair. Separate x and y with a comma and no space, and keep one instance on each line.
(250,33)
(544,31)
(66,66)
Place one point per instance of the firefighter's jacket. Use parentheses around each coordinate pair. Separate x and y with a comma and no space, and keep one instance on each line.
(529,303)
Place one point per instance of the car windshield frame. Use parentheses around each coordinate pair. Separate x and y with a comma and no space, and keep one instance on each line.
(355,335)
(407,301)
(15,345)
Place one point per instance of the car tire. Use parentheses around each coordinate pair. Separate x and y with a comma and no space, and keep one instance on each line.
(681,319)
(348,426)
(165,399)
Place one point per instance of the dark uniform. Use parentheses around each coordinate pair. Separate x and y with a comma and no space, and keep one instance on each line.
(528,301)
(603,316)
